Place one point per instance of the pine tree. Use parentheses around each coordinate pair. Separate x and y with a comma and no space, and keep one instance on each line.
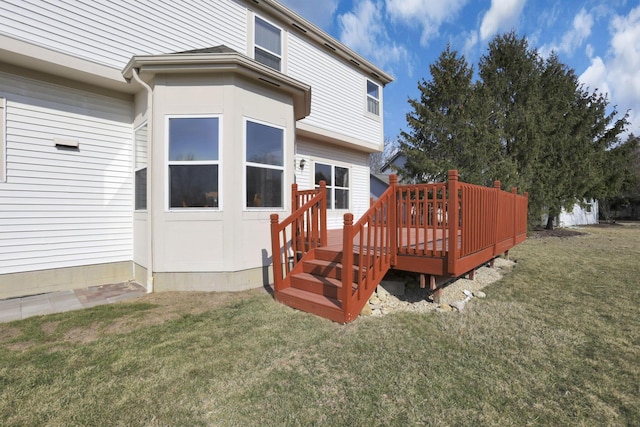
(526,122)
(441,124)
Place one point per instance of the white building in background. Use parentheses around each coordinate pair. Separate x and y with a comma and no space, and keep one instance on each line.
(152,140)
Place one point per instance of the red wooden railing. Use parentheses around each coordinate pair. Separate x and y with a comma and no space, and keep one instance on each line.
(422,219)
(462,224)
(373,242)
(303,230)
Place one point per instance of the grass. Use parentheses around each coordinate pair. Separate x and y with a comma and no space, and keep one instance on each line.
(557,342)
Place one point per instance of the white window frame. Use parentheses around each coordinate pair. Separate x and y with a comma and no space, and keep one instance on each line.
(264,49)
(333,187)
(262,165)
(167,163)
(137,169)
(3,140)
(377,100)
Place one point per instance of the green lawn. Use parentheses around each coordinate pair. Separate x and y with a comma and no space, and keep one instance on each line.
(556,342)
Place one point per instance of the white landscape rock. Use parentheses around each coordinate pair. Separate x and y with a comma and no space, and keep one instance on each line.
(415,299)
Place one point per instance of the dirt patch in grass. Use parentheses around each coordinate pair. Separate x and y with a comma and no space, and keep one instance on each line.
(556,232)
(169,306)
(9,333)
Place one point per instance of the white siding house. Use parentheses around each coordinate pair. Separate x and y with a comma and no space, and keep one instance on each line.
(152,140)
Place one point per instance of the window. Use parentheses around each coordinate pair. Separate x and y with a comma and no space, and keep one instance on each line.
(193,161)
(268,44)
(337,179)
(3,148)
(264,150)
(373,98)
(140,167)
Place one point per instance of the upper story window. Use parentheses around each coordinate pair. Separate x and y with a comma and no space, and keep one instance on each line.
(3,140)
(373,98)
(268,44)
(264,165)
(193,162)
(140,167)
(337,180)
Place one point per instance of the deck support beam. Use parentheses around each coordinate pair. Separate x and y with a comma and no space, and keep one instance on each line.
(437,292)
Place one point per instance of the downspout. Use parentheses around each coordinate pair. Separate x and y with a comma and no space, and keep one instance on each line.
(137,78)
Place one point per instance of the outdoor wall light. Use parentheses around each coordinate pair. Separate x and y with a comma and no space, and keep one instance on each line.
(302,163)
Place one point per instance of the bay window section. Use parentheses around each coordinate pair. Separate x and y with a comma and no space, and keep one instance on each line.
(264,165)
(337,180)
(268,44)
(193,162)
(140,167)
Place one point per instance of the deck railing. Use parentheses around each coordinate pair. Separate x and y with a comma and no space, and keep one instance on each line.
(303,230)
(372,241)
(462,224)
(422,219)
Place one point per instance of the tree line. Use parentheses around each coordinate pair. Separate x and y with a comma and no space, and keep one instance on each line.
(525,121)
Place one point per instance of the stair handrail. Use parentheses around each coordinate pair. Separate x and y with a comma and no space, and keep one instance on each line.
(375,233)
(308,230)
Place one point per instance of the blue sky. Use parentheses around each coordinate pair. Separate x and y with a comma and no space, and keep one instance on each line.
(599,39)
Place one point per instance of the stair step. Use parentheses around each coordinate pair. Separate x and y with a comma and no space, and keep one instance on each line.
(333,255)
(319,285)
(320,305)
(328,255)
(330,269)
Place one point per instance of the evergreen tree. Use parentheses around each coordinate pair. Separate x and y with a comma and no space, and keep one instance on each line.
(443,133)
(527,122)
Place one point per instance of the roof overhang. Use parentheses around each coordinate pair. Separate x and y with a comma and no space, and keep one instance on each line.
(26,55)
(148,66)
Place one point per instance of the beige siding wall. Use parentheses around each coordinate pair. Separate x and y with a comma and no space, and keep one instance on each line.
(339,94)
(357,162)
(110,32)
(64,208)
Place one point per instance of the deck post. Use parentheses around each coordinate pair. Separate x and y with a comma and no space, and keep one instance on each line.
(437,292)
(452,215)
(392,220)
(275,253)
(323,215)
(514,193)
(294,197)
(496,186)
(347,264)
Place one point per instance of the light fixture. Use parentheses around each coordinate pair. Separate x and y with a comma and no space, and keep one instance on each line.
(302,162)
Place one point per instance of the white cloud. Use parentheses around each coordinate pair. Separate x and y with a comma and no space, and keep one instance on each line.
(624,76)
(502,16)
(363,30)
(574,38)
(470,42)
(618,76)
(595,77)
(319,13)
(429,15)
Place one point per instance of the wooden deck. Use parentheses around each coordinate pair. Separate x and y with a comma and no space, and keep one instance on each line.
(333,272)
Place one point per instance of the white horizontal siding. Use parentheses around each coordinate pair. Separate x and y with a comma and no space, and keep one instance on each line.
(338,92)
(358,165)
(111,32)
(64,208)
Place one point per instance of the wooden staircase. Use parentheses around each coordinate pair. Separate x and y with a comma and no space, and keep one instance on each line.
(316,284)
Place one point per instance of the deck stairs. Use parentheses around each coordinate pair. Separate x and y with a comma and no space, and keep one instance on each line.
(316,284)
